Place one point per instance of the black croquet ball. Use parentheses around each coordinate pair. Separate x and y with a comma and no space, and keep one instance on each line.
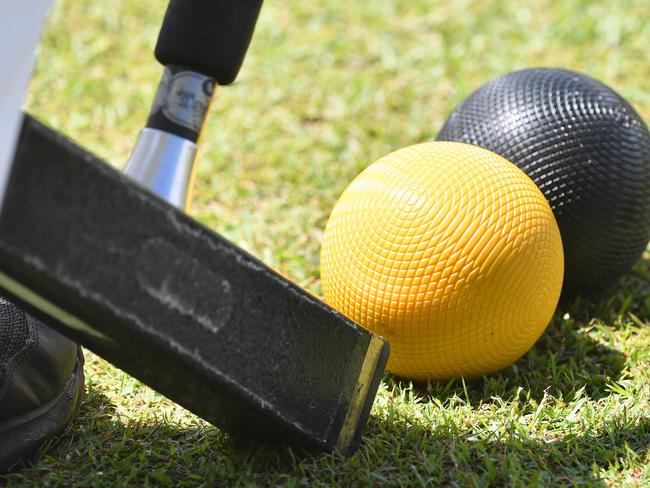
(587,150)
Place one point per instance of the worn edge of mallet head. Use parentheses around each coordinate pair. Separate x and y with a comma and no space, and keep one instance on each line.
(136,280)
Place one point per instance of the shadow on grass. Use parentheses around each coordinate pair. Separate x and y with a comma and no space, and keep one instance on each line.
(100,450)
(509,457)
(564,363)
(630,295)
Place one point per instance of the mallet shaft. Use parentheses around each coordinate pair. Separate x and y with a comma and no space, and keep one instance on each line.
(201,43)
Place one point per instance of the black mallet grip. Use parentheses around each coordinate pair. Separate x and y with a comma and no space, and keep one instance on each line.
(207,36)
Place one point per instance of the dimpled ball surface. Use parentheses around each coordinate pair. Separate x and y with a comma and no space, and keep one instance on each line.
(451,253)
(587,150)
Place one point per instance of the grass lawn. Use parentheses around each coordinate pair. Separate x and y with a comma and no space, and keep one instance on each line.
(327,88)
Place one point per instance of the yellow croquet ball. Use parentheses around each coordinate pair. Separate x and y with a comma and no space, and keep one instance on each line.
(451,253)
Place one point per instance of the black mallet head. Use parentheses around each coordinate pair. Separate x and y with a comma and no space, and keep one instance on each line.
(587,150)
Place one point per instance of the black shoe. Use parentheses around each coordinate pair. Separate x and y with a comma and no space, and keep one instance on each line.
(41,384)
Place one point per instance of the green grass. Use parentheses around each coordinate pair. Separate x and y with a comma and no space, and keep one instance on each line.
(327,88)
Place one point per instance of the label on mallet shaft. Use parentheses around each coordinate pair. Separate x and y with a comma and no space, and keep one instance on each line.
(182,102)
